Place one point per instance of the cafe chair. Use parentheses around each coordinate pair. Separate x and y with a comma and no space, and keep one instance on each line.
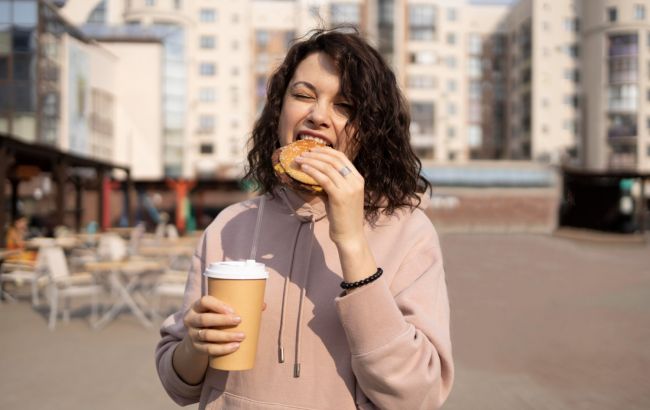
(63,286)
(111,247)
(169,286)
(20,273)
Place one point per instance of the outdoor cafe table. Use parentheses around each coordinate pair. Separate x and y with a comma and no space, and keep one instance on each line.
(124,278)
(66,243)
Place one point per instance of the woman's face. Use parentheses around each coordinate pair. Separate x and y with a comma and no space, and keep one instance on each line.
(313,107)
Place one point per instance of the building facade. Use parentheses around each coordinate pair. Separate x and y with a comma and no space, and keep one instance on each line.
(615,41)
(553,82)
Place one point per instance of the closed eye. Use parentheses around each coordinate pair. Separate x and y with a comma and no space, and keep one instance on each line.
(346,108)
(301,96)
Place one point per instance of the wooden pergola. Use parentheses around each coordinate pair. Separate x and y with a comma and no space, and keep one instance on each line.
(18,158)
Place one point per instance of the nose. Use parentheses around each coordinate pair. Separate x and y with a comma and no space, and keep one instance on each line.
(319,116)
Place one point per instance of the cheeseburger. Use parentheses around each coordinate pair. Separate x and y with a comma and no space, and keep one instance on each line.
(288,171)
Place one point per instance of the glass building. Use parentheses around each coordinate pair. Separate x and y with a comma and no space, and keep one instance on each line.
(18,62)
(31,42)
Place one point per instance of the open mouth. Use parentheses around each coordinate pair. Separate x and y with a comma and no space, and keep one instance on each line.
(316,139)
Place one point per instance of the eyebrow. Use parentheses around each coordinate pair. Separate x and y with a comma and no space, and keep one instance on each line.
(305,84)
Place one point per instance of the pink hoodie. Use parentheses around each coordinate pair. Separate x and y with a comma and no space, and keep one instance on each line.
(385,346)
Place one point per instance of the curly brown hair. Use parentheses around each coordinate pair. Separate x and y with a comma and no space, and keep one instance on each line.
(379,113)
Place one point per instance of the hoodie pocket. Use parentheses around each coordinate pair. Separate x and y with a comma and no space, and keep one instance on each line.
(220,400)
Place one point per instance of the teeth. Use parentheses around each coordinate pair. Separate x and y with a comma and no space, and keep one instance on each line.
(309,137)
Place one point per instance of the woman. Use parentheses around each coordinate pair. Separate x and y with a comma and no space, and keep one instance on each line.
(385,342)
(15,240)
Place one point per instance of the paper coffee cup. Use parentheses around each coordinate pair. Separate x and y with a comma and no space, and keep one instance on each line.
(239,284)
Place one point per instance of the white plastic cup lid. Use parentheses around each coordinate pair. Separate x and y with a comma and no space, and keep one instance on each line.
(248,269)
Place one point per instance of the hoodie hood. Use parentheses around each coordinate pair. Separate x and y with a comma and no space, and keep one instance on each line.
(304,211)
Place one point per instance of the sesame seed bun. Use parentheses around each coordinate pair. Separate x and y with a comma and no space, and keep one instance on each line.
(288,171)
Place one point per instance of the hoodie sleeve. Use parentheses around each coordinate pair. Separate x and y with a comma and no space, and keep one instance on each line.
(172,332)
(400,343)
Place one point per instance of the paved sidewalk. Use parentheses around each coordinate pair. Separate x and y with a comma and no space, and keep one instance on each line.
(538,322)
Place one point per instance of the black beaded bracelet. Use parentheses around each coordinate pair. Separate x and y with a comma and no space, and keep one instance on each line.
(371,278)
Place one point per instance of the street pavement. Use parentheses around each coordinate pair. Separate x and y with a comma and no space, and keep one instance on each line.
(538,322)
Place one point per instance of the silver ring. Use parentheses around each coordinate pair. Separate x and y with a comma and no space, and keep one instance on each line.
(345,171)
(200,335)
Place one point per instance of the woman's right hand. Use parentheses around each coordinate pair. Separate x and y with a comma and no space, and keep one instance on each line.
(206,322)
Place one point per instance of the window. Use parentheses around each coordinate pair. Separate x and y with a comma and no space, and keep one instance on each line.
(206,148)
(420,81)
(207,15)
(475,90)
(451,109)
(451,62)
(98,15)
(612,14)
(622,97)
(451,38)
(422,57)
(571,24)
(622,125)
(639,11)
(573,50)
(150,3)
(207,69)
(260,86)
(452,14)
(474,136)
(207,94)
(475,67)
(262,39)
(475,114)
(475,43)
(422,118)
(451,132)
(572,74)
(207,42)
(178,4)
(345,13)
(451,85)
(422,22)
(206,123)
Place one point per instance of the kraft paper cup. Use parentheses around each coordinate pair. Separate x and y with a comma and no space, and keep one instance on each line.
(239,284)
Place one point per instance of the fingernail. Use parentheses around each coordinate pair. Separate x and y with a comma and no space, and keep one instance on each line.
(240,335)
(229,309)
(305,166)
(236,319)
(235,345)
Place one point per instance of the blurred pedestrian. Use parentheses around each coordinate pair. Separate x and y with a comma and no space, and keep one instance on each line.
(382,342)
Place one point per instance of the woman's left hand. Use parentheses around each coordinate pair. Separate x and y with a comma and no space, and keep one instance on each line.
(345,193)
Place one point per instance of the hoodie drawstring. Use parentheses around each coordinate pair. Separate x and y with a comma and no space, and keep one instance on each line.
(258,224)
(284,297)
(303,293)
(303,286)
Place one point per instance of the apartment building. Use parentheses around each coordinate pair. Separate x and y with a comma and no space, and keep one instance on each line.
(616,43)
(487,79)
(484,81)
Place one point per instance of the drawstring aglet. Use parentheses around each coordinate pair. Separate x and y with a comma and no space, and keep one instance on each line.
(296,370)
(280,354)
